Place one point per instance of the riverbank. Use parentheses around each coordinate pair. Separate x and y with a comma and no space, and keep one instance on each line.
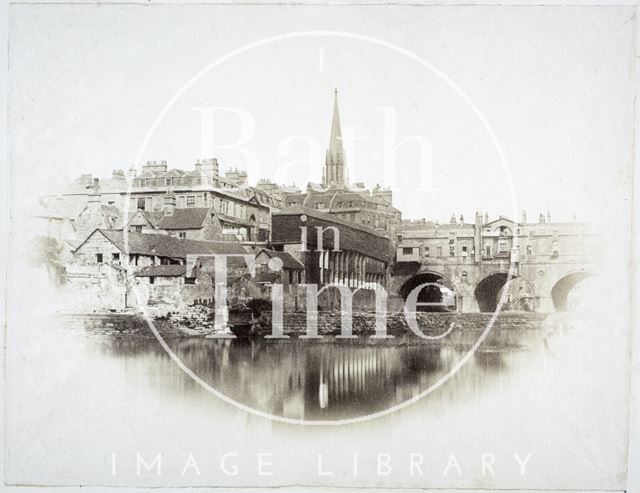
(198,322)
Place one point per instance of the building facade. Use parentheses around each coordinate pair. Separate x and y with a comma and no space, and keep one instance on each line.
(537,262)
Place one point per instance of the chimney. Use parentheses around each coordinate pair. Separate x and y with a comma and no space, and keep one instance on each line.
(94,198)
(208,167)
(453,219)
(548,217)
(541,218)
(461,219)
(486,218)
(169,203)
(524,217)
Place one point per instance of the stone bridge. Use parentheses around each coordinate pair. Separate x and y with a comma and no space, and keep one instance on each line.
(472,286)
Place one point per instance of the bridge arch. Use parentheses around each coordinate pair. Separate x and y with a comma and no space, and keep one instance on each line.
(440,295)
(489,290)
(564,285)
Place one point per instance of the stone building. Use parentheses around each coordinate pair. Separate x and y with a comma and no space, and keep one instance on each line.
(350,202)
(351,255)
(159,261)
(197,223)
(540,260)
(292,272)
(241,210)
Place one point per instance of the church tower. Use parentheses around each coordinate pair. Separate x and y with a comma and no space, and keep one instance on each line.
(334,167)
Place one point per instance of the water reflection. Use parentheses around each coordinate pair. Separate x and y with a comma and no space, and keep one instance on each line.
(319,380)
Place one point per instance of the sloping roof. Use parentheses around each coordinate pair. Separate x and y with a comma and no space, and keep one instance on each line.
(286,230)
(234,220)
(501,218)
(162,271)
(288,260)
(189,218)
(165,245)
(296,210)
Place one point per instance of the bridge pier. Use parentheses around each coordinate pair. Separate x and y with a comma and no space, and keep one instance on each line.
(544,304)
(468,304)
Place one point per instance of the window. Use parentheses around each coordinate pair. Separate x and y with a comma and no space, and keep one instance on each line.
(439,251)
(291,273)
(529,250)
(426,251)
(189,280)
(168,182)
(502,247)
(487,250)
(141,203)
(199,201)
(182,234)
(99,258)
(407,251)
(138,229)
(464,251)
(399,238)
(191,201)
(452,251)
(152,280)
(115,257)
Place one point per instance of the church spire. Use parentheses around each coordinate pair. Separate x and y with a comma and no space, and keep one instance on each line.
(334,168)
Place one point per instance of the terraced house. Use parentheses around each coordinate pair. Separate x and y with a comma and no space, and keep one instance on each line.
(242,211)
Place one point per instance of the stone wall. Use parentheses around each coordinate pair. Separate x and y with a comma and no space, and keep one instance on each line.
(431,324)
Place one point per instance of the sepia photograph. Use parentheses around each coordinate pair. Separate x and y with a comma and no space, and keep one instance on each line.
(311,246)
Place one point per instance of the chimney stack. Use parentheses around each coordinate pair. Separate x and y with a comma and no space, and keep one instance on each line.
(169,203)
(453,219)
(548,217)
(486,218)
(524,217)
(541,218)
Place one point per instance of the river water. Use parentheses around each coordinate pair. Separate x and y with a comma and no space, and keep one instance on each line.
(528,390)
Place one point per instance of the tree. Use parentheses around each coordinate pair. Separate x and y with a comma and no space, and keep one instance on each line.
(46,252)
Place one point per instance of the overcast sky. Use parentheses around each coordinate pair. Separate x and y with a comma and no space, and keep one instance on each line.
(554,84)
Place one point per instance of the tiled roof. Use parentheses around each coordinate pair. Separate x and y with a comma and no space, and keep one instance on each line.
(234,220)
(167,246)
(296,210)
(288,260)
(286,230)
(162,271)
(189,218)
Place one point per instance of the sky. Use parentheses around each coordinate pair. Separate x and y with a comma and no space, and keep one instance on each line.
(549,88)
